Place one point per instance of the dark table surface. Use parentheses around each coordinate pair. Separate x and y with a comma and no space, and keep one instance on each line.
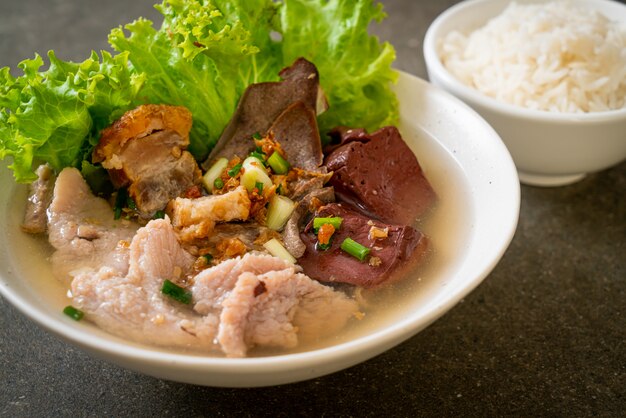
(544,335)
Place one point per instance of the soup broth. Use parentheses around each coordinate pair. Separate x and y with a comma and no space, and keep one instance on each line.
(446,225)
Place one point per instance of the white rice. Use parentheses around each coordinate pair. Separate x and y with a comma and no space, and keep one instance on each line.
(552,56)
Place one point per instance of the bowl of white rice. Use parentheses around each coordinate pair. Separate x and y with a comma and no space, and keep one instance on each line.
(549,76)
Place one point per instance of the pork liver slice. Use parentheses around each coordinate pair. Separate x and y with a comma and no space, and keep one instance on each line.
(262,103)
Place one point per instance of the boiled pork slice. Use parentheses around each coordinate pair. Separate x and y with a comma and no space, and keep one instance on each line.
(269,303)
(132,306)
(397,249)
(82,230)
(379,174)
(255,300)
(145,150)
(262,103)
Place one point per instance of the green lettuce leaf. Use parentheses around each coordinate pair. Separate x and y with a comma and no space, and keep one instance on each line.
(203,57)
(355,68)
(54,115)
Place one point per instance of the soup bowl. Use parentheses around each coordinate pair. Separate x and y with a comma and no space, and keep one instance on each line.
(549,148)
(470,229)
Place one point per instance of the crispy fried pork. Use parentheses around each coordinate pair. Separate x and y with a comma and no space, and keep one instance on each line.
(145,151)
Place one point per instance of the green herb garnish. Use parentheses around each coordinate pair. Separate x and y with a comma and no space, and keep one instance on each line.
(72,312)
(176,292)
(235,170)
(278,163)
(121,200)
(335,221)
(355,249)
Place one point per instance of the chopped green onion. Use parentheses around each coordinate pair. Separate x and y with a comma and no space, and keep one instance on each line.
(278,212)
(218,183)
(259,155)
(323,247)
(176,292)
(159,214)
(214,173)
(72,312)
(277,249)
(335,221)
(235,170)
(257,135)
(120,200)
(259,186)
(355,249)
(254,172)
(278,163)
(130,203)
(279,189)
(208,258)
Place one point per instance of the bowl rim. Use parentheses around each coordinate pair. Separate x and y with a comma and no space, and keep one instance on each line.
(347,353)
(436,67)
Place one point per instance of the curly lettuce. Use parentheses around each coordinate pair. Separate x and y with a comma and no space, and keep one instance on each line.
(355,68)
(203,56)
(55,115)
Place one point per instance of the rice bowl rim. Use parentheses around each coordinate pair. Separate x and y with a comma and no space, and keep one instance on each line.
(435,67)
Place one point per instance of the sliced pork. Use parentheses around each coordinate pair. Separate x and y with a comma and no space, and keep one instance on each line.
(269,304)
(262,103)
(379,174)
(82,230)
(254,300)
(131,305)
(145,150)
(394,249)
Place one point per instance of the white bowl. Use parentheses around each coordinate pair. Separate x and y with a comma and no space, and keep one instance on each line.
(549,148)
(476,216)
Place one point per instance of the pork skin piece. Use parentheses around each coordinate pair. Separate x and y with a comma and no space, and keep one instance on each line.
(269,303)
(262,103)
(39,197)
(392,256)
(195,218)
(379,174)
(145,151)
(132,305)
(82,230)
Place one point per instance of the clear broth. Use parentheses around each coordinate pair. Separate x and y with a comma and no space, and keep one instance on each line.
(447,226)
